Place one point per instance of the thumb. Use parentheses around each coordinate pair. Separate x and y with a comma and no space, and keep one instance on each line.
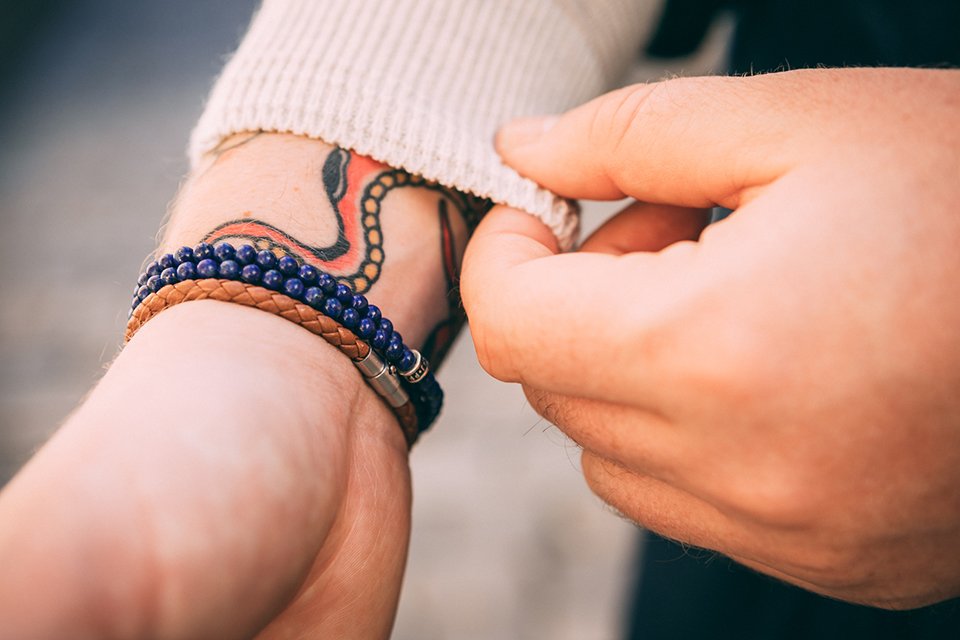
(694,142)
(542,318)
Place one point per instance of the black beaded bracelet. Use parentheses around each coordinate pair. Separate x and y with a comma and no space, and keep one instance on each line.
(320,291)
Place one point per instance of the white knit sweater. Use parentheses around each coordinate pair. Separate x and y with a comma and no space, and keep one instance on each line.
(424,84)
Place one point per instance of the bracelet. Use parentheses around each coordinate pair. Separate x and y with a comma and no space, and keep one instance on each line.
(302,294)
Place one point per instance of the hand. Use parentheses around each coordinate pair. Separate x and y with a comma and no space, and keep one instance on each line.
(786,388)
(232,475)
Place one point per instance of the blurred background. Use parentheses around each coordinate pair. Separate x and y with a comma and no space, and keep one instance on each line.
(97,98)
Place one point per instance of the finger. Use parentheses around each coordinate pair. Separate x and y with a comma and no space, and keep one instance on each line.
(641,226)
(564,322)
(688,141)
(660,507)
(638,439)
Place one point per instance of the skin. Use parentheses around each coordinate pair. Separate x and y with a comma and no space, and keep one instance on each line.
(783,386)
(231,475)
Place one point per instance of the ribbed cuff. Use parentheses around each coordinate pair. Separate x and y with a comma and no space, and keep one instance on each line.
(421,85)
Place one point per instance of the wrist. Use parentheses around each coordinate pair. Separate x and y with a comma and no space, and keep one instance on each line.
(274,189)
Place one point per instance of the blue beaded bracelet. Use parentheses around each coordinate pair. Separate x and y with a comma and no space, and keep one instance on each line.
(320,291)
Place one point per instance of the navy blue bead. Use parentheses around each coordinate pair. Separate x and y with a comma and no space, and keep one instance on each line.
(250,273)
(266,259)
(224,251)
(229,269)
(169,276)
(272,279)
(332,307)
(154,283)
(386,326)
(366,328)
(379,340)
(207,268)
(202,251)
(246,254)
(167,261)
(187,271)
(397,338)
(142,293)
(407,361)
(184,254)
(327,284)
(293,287)
(288,266)
(344,295)
(313,297)
(308,273)
(360,304)
(153,269)
(142,280)
(350,318)
(373,312)
(394,351)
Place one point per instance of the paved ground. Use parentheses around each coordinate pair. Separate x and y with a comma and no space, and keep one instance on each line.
(507,541)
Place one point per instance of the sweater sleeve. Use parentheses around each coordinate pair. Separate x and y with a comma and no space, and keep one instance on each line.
(423,85)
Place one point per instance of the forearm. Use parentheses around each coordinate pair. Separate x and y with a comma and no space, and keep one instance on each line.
(262,427)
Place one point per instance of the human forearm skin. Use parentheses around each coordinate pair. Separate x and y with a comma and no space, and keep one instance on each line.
(231,466)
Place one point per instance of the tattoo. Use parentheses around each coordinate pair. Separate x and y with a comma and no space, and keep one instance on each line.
(356,187)
(232,143)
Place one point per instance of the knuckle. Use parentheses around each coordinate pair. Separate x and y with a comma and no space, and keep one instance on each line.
(544,403)
(490,355)
(630,112)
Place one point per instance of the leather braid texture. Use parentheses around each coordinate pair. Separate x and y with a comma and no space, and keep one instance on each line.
(272,302)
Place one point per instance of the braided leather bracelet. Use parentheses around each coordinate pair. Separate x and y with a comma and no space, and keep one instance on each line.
(301,294)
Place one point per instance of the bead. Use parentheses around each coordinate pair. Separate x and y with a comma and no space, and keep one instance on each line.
(266,259)
(293,287)
(394,351)
(154,283)
(224,251)
(169,276)
(142,293)
(153,269)
(366,328)
(250,273)
(344,295)
(207,268)
(184,254)
(142,280)
(246,254)
(288,266)
(386,326)
(313,297)
(308,273)
(360,304)
(229,269)
(407,361)
(202,251)
(272,279)
(373,312)
(166,261)
(332,307)
(379,340)
(349,318)
(327,284)
(187,271)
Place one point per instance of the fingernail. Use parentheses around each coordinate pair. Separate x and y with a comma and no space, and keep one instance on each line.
(524,131)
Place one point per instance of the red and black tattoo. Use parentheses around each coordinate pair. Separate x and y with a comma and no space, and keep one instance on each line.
(356,187)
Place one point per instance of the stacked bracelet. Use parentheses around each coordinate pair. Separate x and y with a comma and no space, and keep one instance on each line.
(305,295)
